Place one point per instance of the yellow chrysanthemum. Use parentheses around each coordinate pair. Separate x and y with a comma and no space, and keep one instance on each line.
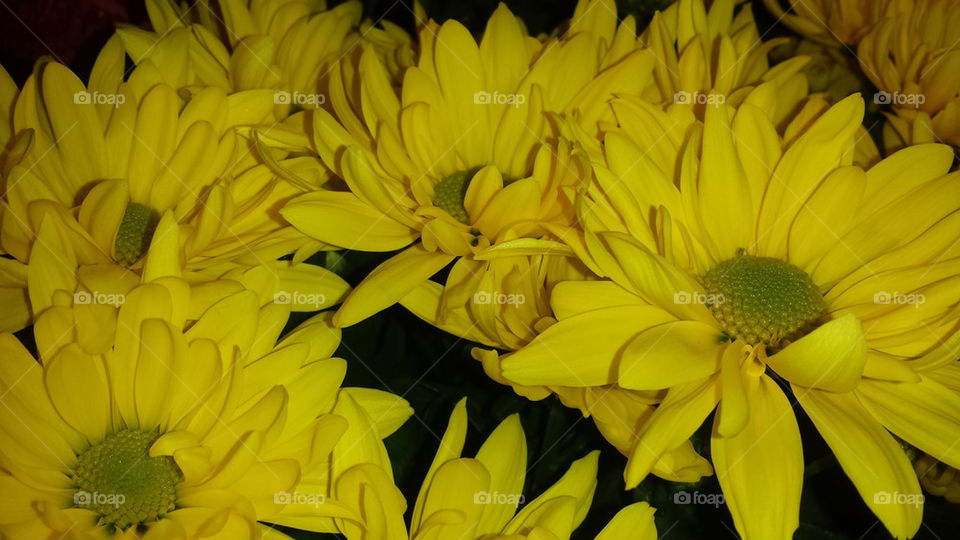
(137,425)
(914,60)
(938,478)
(738,260)
(108,160)
(508,310)
(834,22)
(457,163)
(472,498)
(284,45)
(716,50)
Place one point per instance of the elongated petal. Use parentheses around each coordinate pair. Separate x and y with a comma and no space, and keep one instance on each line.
(830,358)
(680,414)
(761,468)
(652,278)
(634,521)
(670,354)
(872,459)
(926,414)
(342,219)
(561,355)
(389,283)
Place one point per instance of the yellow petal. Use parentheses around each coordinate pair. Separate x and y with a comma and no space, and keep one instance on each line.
(634,521)
(670,354)
(390,282)
(681,413)
(342,219)
(926,414)
(656,280)
(564,355)
(504,456)
(761,468)
(830,358)
(79,389)
(870,457)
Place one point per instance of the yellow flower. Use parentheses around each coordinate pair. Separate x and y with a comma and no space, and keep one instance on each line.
(913,58)
(284,45)
(738,261)
(105,162)
(938,479)
(834,22)
(137,425)
(472,498)
(455,164)
(702,50)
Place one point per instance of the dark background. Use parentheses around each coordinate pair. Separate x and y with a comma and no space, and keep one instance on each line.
(397,352)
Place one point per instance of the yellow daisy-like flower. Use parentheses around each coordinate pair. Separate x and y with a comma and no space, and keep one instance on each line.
(456,164)
(938,478)
(472,498)
(718,50)
(108,160)
(135,425)
(507,311)
(284,45)
(913,58)
(739,261)
(834,22)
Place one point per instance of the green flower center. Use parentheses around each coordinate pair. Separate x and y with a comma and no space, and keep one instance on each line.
(117,479)
(448,194)
(763,300)
(135,233)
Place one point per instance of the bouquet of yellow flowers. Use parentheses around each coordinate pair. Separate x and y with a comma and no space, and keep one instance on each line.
(254,254)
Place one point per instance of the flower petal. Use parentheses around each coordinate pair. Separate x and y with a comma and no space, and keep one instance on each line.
(829,358)
(390,282)
(761,468)
(673,353)
(872,459)
(926,414)
(562,356)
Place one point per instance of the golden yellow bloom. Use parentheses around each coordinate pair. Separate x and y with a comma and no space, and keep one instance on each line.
(834,21)
(471,498)
(716,50)
(913,58)
(737,260)
(456,164)
(288,46)
(937,478)
(138,425)
(105,162)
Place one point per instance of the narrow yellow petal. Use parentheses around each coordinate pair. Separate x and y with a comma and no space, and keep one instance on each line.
(761,468)
(870,457)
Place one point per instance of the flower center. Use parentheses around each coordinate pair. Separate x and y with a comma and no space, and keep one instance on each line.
(448,194)
(117,479)
(763,300)
(135,233)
